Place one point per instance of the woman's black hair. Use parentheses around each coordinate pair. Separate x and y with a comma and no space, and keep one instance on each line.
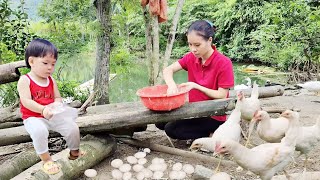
(40,48)
(203,28)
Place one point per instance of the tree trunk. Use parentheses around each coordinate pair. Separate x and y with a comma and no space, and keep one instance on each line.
(171,37)
(132,117)
(264,92)
(155,50)
(96,148)
(22,161)
(10,124)
(10,115)
(10,72)
(101,81)
(149,45)
(176,151)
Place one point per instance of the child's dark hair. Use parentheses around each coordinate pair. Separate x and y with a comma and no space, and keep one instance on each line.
(203,28)
(40,48)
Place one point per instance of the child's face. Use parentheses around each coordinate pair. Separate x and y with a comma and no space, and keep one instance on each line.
(42,66)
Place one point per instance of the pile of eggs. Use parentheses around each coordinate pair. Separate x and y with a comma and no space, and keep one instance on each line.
(137,168)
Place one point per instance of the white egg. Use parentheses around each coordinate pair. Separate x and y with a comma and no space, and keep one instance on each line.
(142,161)
(146,150)
(125,168)
(181,175)
(177,167)
(116,163)
(155,161)
(161,161)
(140,155)
(163,167)
(132,160)
(155,167)
(220,176)
(90,173)
(126,176)
(140,175)
(188,168)
(137,167)
(147,173)
(174,175)
(116,174)
(157,175)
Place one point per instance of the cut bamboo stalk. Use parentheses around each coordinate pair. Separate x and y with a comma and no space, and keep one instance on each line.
(96,149)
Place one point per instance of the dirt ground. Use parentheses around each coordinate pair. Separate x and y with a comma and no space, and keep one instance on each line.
(309,106)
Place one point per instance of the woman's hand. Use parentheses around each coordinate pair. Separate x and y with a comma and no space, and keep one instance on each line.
(189,85)
(172,90)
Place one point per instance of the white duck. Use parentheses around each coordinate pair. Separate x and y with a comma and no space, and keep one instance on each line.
(243,86)
(248,106)
(308,138)
(266,159)
(269,129)
(313,86)
(230,129)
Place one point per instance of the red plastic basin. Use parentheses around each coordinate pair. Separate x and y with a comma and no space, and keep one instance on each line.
(156,98)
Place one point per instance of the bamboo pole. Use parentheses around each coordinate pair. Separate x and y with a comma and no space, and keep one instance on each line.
(131,118)
(175,151)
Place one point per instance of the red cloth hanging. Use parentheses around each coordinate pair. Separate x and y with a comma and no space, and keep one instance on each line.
(158,8)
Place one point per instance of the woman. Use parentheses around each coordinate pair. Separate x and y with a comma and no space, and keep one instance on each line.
(210,76)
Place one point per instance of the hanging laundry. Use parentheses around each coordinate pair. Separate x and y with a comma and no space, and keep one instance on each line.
(158,8)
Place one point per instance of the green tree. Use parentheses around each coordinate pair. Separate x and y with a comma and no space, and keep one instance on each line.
(14,32)
(290,37)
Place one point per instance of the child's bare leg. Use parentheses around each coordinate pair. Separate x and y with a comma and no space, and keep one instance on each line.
(45,157)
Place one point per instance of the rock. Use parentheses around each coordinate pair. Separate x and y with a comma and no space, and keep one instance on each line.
(202,173)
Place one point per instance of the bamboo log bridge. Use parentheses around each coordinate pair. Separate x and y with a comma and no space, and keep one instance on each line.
(130,115)
(119,115)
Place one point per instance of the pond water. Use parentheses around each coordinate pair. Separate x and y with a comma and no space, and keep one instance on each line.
(123,87)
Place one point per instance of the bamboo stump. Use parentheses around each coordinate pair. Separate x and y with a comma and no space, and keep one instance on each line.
(96,148)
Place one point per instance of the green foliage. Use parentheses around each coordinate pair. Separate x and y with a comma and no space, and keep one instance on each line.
(290,37)
(8,94)
(235,20)
(178,52)
(6,55)
(68,24)
(69,89)
(14,34)
(195,10)
(120,60)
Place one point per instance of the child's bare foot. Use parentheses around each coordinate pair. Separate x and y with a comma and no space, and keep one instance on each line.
(51,167)
(75,154)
